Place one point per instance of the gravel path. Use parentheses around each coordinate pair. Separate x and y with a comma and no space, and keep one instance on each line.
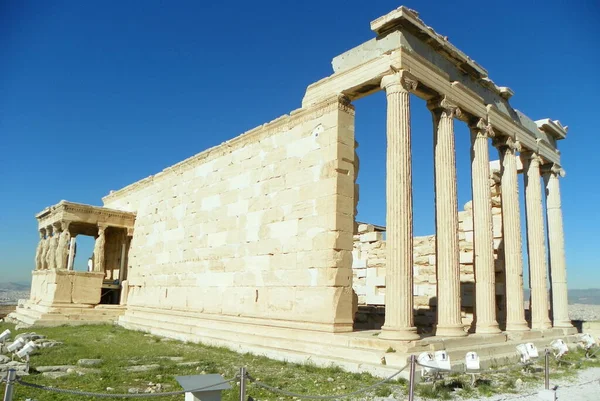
(586,387)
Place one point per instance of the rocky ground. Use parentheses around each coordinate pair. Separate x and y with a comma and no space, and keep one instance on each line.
(584,312)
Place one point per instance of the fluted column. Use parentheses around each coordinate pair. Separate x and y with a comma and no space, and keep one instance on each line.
(399,235)
(449,322)
(556,240)
(485,279)
(511,234)
(536,242)
(99,247)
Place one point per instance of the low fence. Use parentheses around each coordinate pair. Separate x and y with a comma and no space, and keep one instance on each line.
(245,379)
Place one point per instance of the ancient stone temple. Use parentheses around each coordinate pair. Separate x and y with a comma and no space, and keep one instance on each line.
(253,244)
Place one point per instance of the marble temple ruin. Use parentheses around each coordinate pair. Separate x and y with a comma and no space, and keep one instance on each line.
(253,244)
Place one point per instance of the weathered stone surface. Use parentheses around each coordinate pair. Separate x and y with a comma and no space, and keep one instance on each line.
(142,368)
(55,375)
(89,362)
(56,368)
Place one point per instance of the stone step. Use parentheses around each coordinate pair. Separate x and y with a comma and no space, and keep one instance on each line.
(288,355)
(232,336)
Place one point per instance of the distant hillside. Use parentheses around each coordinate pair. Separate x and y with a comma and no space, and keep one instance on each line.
(590,296)
(14,287)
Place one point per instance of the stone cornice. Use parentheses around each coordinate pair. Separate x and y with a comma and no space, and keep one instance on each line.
(55,214)
(338,101)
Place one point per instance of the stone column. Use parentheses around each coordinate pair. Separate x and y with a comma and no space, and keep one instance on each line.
(399,241)
(72,249)
(485,279)
(556,240)
(536,242)
(449,321)
(99,248)
(511,234)
(39,250)
(52,246)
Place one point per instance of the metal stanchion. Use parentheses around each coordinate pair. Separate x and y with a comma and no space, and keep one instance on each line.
(242,384)
(547,369)
(411,378)
(10,380)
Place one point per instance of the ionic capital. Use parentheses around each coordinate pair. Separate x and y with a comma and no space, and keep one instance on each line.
(502,142)
(480,128)
(554,169)
(401,81)
(443,106)
(531,156)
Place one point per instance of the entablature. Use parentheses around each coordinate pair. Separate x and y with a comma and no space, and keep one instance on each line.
(84,219)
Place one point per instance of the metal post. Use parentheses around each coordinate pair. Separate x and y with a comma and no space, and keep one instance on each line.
(242,384)
(547,369)
(10,379)
(411,379)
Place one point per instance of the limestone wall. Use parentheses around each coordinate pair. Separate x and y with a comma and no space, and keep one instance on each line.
(260,226)
(369,264)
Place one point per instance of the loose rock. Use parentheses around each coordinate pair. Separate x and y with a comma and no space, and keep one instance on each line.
(142,368)
(89,362)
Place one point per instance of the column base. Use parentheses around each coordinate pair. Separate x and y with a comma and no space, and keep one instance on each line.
(399,333)
(491,328)
(450,331)
(562,324)
(520,326)
(541,325)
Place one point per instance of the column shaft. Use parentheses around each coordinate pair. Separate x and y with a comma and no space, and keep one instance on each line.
(536,245)
(449,321)
(556,240)
(71,260)
(399,236)
(511,234)
(485,279)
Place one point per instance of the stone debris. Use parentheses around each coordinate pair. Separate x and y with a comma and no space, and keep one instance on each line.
(172,358)
(89,362)
(57,368)
(55,375)
(142,368)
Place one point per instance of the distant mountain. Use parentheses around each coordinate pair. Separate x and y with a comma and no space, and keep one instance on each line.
(14,287)
(590,296)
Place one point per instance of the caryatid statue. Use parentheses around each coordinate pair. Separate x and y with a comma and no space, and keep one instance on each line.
(44,251)
(62,251)
(99,250)
(52,245)
(39,250)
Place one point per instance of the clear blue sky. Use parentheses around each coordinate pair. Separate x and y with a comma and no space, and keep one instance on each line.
(97,95)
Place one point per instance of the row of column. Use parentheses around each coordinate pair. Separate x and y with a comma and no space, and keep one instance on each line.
(399,323)
(56,248)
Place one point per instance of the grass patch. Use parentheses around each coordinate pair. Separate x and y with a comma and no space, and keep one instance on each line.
(120,348)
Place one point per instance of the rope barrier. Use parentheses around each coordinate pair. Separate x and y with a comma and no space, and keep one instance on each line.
(107,395)
(323,397)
